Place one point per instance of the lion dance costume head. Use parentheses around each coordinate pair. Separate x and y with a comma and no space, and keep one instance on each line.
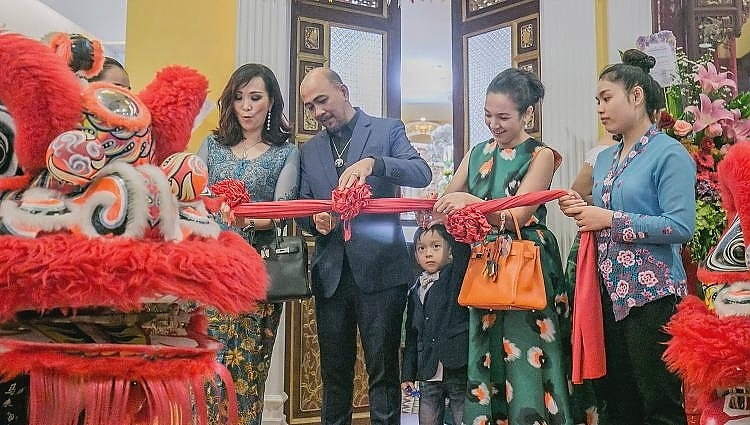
(106,247)
(710,345)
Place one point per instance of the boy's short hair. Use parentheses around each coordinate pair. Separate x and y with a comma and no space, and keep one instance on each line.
(439,229)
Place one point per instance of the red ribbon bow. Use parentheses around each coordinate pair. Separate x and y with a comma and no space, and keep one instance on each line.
(232,191)
(348,203)
(468,225)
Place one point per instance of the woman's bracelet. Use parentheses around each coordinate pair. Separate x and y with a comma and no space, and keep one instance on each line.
(250,226)
(502,220)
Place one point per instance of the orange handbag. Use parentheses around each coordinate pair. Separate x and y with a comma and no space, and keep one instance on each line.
(504,274)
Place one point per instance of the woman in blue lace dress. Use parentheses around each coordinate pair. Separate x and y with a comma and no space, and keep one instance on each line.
(251,144)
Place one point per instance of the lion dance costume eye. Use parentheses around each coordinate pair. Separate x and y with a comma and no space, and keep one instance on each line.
(108,252)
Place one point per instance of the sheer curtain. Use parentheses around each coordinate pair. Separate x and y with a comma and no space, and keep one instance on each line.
(264,36)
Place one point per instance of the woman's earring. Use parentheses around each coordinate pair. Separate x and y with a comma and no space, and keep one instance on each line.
(268,121)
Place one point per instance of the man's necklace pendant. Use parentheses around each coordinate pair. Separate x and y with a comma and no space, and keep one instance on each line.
(338,162)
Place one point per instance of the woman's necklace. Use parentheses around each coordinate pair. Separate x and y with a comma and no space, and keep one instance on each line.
(246,152)
(339,162)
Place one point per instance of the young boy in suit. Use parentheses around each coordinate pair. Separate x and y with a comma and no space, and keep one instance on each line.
(437,330)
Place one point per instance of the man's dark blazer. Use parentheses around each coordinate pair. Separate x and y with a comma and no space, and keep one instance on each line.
(376,252)
(437,330)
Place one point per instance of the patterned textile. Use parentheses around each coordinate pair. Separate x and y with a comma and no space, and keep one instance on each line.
(639,256)
(267,178)
(14,401)
(516,363)
(248,339)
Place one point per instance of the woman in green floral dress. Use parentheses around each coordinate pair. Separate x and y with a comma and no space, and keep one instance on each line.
(516,372)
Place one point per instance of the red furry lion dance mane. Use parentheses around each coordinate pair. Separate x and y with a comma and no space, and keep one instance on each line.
(710,345)
(107,251)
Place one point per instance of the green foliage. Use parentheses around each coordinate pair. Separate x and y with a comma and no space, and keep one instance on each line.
(709,225)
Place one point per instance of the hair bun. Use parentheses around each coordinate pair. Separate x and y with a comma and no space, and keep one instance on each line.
(637,58)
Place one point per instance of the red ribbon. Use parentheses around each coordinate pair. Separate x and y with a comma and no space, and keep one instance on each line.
(468,225)
(470,222)
(232,191)
(467,217)
(589,361)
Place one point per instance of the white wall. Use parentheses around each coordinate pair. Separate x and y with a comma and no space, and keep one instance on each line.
(626,21)
(104,20)
(569,120)
(34,19)
(569,72)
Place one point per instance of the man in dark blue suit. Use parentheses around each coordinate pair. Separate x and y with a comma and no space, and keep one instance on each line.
(360,283)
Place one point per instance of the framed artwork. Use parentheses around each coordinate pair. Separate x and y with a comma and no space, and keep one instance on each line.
(312,38)
(531,65)
(528,36)
(307,125)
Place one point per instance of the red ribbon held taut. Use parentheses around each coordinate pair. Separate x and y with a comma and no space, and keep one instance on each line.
(470,223)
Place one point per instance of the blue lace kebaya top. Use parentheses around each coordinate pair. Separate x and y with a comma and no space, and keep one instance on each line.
(652,194)
(272,176)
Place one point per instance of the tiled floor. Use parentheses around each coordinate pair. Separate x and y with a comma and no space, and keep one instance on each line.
(409,419)
(409,409)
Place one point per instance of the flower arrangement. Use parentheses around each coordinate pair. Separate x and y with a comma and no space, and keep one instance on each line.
(708,116)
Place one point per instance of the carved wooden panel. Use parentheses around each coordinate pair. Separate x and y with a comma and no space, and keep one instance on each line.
(476,8)
(308,124)
(368,7)
(527,38)
(302,374)
(512,29)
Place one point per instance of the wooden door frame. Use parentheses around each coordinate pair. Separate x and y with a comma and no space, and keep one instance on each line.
(385,22)
(464,24)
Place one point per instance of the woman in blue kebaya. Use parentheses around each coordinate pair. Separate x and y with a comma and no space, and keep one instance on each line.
(644,209)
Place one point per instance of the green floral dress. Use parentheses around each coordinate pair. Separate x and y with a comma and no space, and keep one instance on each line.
(248,340)
(516,370)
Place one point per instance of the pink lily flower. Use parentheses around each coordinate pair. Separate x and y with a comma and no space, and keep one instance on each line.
(711,80)
(740,130)
(709,112)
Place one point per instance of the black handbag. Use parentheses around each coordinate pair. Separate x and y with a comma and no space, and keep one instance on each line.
(286,263)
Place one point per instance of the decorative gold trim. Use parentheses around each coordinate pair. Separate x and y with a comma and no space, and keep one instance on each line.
(601,16)
(489,10)
(602,33)
(302,371)
(352,9)
(305,124)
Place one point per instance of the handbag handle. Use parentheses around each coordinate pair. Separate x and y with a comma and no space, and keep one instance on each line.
(515,223)
(276,232)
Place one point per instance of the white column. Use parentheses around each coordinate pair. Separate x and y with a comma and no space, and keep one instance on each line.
(275,397)
(569,119)
(264,36)
(569,72)
(626,21)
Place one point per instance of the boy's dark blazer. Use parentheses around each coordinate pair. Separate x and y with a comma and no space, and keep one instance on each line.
(437,330)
